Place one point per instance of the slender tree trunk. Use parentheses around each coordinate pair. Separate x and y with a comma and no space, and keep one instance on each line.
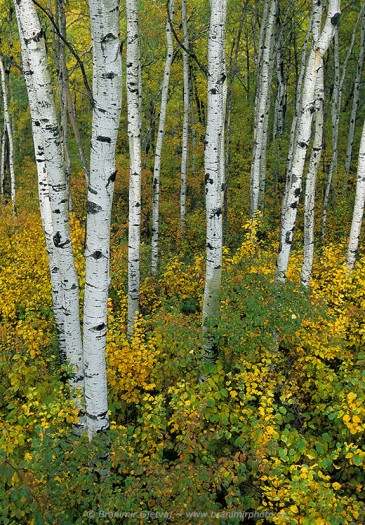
(356,97)
(8,133)
(310,187)
(107,95)
(318,50)
(264,74)
(185,132)
(2,159)
(212,168)
(159,143)
(134,132)
(358,206)
(52,190)
(336,111)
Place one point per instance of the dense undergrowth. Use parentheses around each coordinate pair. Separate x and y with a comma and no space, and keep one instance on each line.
(276,430)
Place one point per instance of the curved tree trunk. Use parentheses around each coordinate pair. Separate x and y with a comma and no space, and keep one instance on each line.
(52,187)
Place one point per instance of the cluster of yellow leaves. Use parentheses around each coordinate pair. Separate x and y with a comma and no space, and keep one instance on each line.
(130,361)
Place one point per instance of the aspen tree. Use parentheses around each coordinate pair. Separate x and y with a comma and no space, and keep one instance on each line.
(358,206)
(134,131)
(212,169)
(335,115)
(107,95)
(291,201)
(356,96)
(159,141)
(262,105)
(52,190)
(185,131)
(9,134)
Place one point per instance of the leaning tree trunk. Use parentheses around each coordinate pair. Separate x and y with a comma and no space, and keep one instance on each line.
(134,132)
(8,133)
(52,185)
(358,206)
(212,168)
(107,91)
(356,97)
(159,142)
(318,50)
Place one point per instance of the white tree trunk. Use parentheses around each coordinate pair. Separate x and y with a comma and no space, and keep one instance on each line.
(310,186)
(212,168)
(134,132)
(9,133)
(107,95)
(159,142)
(2,160)
(52,189)
(319,48)
(358,206)
(185,131)
(265,64)
(356,97)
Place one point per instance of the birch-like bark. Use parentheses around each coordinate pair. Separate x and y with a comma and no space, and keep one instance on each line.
(212,168)
(356,97)
(335,115)
(9,133)
(2,159)
(265,63)
(135,160)
(317,52)
(310,186)
(358,206)
(107,95)
(298,105)
(52,190)
(159,142)
(185,131)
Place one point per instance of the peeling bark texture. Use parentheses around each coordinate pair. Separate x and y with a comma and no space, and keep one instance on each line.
(107,95)
(212,167)
(134,94)
(358,206)
(310,186)
(7,127)
(185,131)
(52,191)
(290,207)
(159,142)
(356,97)
(262,106)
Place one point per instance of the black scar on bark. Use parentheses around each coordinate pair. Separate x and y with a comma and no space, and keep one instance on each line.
(98,328)
(36,38)
(335,19)
(109,75)
(218,212)
(209,246)
(107,37)
(97,255)
(91,190)
(302,144)
(208,179)
(57,241)
(294,205)
(213,91)
(287,238)
(92,207)
(112,178)
(74,286)
(297,192)
(100,138)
